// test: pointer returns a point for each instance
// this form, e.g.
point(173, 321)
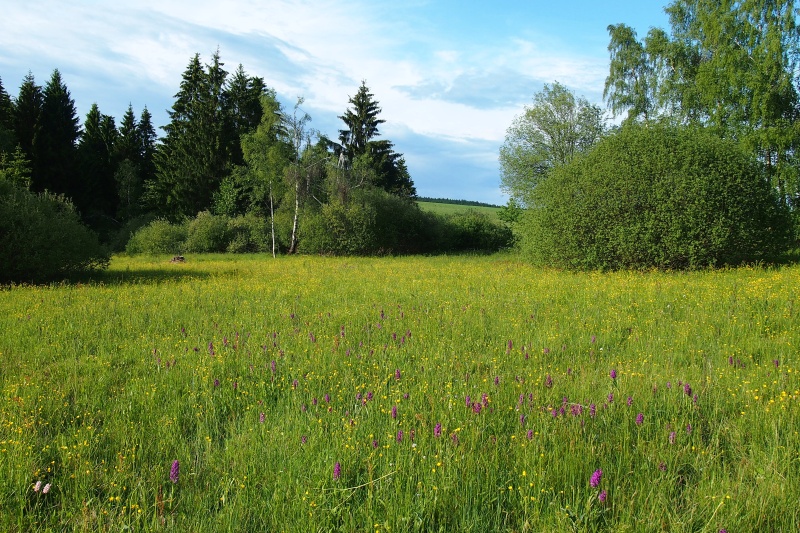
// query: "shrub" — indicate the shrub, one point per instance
point(248, 234)
point(42, 238)
point(206, 233)
point(158, 237)
point(475, 231)
point(656, 196)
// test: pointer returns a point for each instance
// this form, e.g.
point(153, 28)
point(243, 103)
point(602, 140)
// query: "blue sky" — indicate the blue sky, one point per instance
point(450, 76)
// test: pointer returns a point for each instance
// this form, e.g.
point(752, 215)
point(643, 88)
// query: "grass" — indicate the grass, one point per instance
point(449, 209)
point(454, 393)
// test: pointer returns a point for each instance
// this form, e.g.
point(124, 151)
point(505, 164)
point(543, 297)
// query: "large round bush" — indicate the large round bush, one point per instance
point(656, 196)
point(42, 238)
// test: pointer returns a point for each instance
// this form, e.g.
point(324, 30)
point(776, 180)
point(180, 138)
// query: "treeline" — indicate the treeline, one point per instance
point(230, 152)
point(455, 202)
point(704, 170)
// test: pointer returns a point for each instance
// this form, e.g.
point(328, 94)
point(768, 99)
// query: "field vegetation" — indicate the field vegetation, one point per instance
point(242, 393)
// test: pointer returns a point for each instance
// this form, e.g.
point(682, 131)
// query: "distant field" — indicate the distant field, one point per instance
point(448, 209)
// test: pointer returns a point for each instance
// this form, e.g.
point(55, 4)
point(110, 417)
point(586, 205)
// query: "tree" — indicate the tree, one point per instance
point(97, 196)
point(731, 66)
point(368, 160)
point(54, 145)
point(27, 109)
point(242, 105)
point(267, 154)
point(191, 161)
point(8, 141)
point(550, 133)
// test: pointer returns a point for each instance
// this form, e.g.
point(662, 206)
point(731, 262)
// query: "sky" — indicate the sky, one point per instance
point(449, 76)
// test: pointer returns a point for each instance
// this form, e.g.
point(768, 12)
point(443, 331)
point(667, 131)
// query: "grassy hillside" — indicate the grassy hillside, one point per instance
point(446, 209)
point(400, 394)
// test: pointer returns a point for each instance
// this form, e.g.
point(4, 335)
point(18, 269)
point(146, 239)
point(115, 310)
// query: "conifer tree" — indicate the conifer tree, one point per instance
point(27, 109)
point(192, 161)
point(96, 196)
point(8, 140)
point(357, 150)
point(54, 145)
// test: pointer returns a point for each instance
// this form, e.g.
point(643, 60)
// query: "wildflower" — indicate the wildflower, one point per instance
point(399, 435)
point(630, 401)
point(776, 363)
point(509, 347)
point(46, 488)
point(211, 348)
point(468, 401)
point(397, 374)
point(594, 339)
point(687, 389)
point(337, 471)
point(261, 417)
point(374, 443)
point(314, 400)
point(327, 398)
point(485, 399)
point(662, 466)
point(312, 337)
point(216, 383)
point(672, 437)
point(610, 397)
point(669, 384)
point(175, 471)
point(639, 419)
point(592, 410)
point(497, 380)
point(394, 411)
point(521, 420)
point(303, 439)
point(437, 430)
point(476, 408)
point(545, 350)
point(596, 477)
point(273, 365)
point(369, 396)
point(602, 496)
point(295, 383)
point(454, 437)
point(613, 373)
point(689, 429)
point(37, 486)
point(530, 434)
point(548, 381)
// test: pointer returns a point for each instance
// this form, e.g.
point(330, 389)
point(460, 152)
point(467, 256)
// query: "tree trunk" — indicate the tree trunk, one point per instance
point(293, 243)
point(272, 219)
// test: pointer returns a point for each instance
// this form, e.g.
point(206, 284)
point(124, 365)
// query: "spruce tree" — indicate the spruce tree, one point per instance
point(96, 195)
point(54, 145)
point(8, 140)
point(242, 109)
point(27, 109)
point(358, 149)
point(192, 161)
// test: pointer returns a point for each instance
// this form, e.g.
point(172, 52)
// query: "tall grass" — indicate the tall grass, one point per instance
point(455, 394)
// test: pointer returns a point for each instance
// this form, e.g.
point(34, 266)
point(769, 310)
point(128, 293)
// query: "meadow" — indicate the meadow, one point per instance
point(400, 394)
point(451, 209)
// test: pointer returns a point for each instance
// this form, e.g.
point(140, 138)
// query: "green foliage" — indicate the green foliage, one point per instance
point(551, 132)
point(656, 196)
point(475, 231)
point(206, 233)
point(248, 234)
point(43, 239)
point(158, 237)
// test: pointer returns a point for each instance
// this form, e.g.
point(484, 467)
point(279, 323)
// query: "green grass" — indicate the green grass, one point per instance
point(449, 209)
point(106, 383)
